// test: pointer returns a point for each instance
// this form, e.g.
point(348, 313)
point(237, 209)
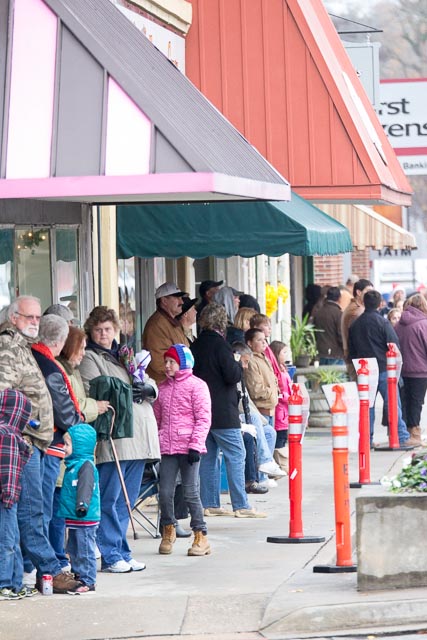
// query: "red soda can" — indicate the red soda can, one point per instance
point(47, 585)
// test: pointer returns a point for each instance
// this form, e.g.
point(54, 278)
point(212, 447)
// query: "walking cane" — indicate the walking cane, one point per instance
point(119, 471)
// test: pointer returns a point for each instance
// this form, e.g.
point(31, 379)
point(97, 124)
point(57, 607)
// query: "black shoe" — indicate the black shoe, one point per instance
point(181, 532)
point(255, 487)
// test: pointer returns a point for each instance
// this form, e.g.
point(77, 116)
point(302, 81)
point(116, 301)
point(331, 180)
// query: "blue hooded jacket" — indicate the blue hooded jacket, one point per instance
point(80, 500)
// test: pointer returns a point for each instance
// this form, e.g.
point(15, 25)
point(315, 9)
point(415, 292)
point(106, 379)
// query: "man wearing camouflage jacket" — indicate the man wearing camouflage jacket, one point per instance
point(19, 370)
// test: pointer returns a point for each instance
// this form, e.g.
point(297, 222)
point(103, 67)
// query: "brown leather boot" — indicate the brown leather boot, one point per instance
point(168, 539)
point(200, 546)
point(411, 442)
point(415, 433)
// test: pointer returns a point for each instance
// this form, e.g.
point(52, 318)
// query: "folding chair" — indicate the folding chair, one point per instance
point(149, 487)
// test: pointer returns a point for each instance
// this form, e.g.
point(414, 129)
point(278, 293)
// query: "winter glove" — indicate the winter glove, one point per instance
point(141, 391)
point(248, 428)
point(193, 456)
point(81, 510)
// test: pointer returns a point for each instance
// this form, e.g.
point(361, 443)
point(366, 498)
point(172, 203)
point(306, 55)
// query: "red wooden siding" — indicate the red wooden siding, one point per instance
point(275, 70)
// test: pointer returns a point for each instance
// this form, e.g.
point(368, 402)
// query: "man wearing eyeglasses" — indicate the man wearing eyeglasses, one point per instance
point(19, 370)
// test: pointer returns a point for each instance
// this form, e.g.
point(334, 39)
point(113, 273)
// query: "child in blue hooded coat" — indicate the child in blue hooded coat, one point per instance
point(80, 503)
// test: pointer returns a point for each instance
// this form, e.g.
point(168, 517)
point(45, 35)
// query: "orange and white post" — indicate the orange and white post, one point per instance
point(393, 435)
point(295, 434)
point(341, 487)
point(364, 423)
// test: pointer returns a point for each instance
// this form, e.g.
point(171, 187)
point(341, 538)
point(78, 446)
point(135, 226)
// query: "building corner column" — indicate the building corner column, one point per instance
point(108, 277)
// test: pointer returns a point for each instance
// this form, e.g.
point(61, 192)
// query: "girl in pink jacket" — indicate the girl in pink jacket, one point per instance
point(281, 419)
point(183, 413)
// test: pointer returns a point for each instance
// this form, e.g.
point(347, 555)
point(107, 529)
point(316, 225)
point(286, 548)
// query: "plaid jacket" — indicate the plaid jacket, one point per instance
point(15, 411)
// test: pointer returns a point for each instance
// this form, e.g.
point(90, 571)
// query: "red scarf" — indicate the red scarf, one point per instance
point(44, 350)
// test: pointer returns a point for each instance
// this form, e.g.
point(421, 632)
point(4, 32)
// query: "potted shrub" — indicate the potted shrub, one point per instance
point(326, 375)
point(303, 341)
point(320, 415)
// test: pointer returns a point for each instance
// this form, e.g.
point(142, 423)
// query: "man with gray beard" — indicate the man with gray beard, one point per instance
point(19, 370)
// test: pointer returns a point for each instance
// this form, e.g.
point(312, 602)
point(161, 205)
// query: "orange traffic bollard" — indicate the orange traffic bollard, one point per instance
point(341, 487)
point(364, 426)
point(295, 474)
point(392, 391)
point(393, 436)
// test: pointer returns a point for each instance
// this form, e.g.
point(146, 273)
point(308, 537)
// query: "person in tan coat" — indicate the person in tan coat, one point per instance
point(353, 310)
point(260, 379)
point(162, 329)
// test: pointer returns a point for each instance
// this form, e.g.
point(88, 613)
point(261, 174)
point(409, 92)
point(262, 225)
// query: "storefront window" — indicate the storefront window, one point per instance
point(7, 280)
point(127, 302)
point(159, 269)
point(33, 264)
point(67, 274)
point(41, 262)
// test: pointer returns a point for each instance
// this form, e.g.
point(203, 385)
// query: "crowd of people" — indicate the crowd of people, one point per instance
point(82, 415)
point(362, 326)
point(79, 424)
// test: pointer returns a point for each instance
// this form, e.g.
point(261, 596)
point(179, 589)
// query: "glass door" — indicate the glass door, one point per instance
point(66, 270)
point(41, 262)
point(33, 264)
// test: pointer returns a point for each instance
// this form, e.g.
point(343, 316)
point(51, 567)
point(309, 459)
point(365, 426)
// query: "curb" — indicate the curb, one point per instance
point(354, 616)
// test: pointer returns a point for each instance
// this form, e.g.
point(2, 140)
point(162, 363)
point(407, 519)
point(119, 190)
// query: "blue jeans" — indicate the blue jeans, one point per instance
point(57, 530)
point(230, 442)
point(265, 442)
point(11, 563)
point(51, 468)
point(266, 438)
point(281, 438)
point(81, 547)
point(190, 482)
point(112, 530)
point(36, 548)
point(251, 463)
point(331, 361)
point(401, 426)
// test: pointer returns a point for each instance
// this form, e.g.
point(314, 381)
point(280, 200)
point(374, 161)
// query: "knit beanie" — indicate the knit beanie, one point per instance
point(181, 354)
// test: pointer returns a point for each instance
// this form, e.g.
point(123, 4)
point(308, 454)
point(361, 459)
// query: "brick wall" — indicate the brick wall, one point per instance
point(360, 264)
point(328, 270)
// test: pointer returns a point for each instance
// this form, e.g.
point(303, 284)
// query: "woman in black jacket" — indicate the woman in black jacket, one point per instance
point(215, 363)
point(53, 332)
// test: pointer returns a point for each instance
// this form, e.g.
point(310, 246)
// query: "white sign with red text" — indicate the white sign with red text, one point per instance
point(403, 115)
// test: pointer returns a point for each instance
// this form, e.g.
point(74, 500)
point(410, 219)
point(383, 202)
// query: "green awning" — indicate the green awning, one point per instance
point(225, 229)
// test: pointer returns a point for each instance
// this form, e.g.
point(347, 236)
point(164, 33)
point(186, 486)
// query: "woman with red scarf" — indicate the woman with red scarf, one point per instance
point(53, 333)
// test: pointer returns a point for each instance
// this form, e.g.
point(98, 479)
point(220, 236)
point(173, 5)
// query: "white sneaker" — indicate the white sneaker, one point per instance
point(135, 565)
point(121, 566)
point(272, 469)
point(29, 579)
point(66, 568)
point(269, 483)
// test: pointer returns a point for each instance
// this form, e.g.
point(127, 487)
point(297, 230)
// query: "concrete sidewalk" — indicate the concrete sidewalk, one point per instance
point(245, 585)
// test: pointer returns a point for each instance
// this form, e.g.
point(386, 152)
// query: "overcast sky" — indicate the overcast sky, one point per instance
point(334, 6)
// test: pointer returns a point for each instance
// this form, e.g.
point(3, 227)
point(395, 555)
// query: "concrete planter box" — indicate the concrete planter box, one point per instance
point(391, 548)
